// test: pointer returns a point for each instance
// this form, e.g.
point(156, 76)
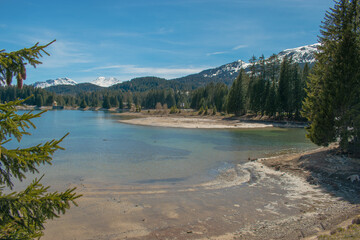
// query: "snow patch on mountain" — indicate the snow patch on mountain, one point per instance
point(54, 82)
point(105, 82)
point(304, 54)
point(230, 68)
point(301, 55)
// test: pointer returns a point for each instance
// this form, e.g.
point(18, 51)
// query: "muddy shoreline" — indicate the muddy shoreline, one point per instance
point(314, 196)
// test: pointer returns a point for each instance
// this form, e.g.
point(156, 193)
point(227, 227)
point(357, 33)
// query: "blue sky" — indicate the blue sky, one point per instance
point(164, 38)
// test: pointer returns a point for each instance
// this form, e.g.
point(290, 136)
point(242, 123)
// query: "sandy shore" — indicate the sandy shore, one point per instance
point(192, 120)
point(286, 197)
point(187, 122)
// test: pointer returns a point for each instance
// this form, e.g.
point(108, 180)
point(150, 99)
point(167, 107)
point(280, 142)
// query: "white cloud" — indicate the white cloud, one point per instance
point(65, 53)
point(224, 52)
point(215, 53)
point(148, 71)
point(239, 47)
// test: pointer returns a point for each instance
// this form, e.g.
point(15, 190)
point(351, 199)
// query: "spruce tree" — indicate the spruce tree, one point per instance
point(23, 213)
point(121, 103)
point(284, 88)
point(106, 102)
point(332, 102)
point(83, 103)
point(296, 91)
point(39, 100)
point(304, 80)
point(270, 107)
point(235, 103)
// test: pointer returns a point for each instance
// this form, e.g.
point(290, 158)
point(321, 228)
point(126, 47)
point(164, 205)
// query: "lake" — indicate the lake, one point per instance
point(151, 183)
point(102, 151)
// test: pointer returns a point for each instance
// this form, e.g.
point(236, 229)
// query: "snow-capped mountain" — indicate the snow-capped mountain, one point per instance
point(300, 55)
point(225, 73)
point(230, 68)
point(305, 54)
point(52, 82)
point(105, 82)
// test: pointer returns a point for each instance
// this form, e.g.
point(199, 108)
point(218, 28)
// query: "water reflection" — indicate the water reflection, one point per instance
point(101, 150)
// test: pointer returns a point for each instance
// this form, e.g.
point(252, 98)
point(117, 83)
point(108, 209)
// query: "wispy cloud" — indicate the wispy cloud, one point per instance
point(216, 53)
point(239, 47)
point(224, 52)
point(66, 53)
point(147, 71)
point(63, 52)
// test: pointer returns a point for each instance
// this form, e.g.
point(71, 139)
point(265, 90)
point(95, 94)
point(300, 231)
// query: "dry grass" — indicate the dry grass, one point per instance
point(351, 232)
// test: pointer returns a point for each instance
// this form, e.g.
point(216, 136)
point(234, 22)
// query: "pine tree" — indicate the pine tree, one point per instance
point(270, 107)
point(284, 86)
point(170, 99)
point(83, 103)
point(129, 102)
point(114, 101)
point(235, 102)
point(23, 213)
point(39, 100)
point(106, 102)
point(296, 91)
point(121, 103)
point(332, 102)
point(304, 80)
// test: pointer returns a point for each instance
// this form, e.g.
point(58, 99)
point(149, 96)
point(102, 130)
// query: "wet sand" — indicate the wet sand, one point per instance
point(284, 197)
point(192, 122)
point(191, 119)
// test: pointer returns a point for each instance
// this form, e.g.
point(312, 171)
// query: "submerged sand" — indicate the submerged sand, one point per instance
point(190, 119)
point(187, 122)
point(285, 197)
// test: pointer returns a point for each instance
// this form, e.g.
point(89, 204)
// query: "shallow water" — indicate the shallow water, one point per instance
point(102, 151)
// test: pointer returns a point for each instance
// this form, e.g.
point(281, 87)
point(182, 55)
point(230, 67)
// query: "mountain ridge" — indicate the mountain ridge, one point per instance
point(225, 73)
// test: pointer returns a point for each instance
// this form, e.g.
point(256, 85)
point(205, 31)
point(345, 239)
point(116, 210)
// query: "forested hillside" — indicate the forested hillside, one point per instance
point(266, 87)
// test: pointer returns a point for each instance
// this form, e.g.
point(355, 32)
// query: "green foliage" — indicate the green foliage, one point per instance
point(214, 110)
point(83, 104)
point(173, 110)
point(210, 95)
point(23, 213)
point(13, 64)
point(129, 102)
point(235, 103)
point(284, 86)
point(270, 104)
point(201, 111)
point(106, 102)
point(333, 90)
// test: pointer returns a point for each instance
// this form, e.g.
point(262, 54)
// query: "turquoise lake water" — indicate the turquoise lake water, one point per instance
point(100, 150)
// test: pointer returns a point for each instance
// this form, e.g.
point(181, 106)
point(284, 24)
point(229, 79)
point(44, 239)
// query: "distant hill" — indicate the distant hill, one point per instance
point(74, 89)
point(145, 83)
point(225, 73)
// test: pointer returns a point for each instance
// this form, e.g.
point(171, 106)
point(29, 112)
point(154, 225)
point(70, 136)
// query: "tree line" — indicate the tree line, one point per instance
point(271, 88)
point(106, 98)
